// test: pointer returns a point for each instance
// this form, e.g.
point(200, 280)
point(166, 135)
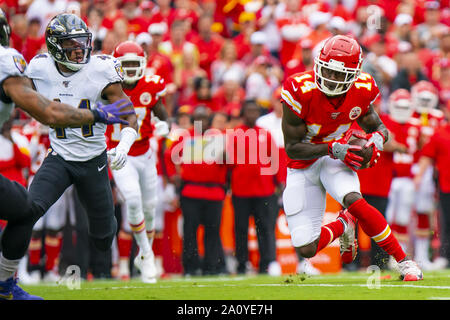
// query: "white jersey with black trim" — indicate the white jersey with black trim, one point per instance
point(12, 64)
point(82, 89)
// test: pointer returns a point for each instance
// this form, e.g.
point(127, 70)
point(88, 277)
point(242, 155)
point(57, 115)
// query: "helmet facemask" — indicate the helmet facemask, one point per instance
point(401, 110)
point(425, 101)
point(72, 51)
point(333, 78)
point(133, 67)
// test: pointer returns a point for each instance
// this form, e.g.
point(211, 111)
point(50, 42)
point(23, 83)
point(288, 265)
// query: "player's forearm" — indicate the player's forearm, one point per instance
point(51, 113)
point(305, 151)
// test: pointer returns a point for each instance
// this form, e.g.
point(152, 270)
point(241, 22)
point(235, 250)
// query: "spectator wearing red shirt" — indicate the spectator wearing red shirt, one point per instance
point(184, 77)
point(208, 43)
point(18, 25)
point(34, 43)
point(202, 95)
point(247, 25)
point(437, 152)
point(258, 41)
point(163, 13)
point(293, 28)
point(230, 94)
point(110, 10)
point(202, 175)
point(253, 188)
point(226, 62)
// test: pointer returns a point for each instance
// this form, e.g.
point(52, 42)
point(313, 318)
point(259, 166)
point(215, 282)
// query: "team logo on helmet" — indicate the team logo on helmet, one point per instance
point(20, 63)
point(354, 113)
point(145, 98)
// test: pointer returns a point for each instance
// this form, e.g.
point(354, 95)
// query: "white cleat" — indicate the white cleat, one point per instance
point(409, 271)
point(146, 265)
point(51, 277)
point(305, 267)
point(347, 241)
point(274, 269)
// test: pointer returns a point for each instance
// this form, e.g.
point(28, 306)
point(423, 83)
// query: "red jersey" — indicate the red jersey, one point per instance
point(376, 181)
point(408, 135)
point(324, 121)
point(438, 149)
point(144, 97)
point(430, 121)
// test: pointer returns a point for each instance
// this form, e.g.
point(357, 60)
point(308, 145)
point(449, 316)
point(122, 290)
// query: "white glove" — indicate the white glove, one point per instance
point(118, 158)
point(161, 129)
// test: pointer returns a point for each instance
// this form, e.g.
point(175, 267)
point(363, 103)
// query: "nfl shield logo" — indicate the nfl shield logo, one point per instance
point(20, 63)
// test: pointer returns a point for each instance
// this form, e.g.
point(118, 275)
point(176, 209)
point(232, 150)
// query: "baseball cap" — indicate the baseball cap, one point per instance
point(246, 16)
point(432, 5)
point(144, 37)
point(402, 19)
point(157, 28)
point(258, 37)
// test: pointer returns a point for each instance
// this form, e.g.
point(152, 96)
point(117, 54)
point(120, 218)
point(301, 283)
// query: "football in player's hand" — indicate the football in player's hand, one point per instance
point(365, 153)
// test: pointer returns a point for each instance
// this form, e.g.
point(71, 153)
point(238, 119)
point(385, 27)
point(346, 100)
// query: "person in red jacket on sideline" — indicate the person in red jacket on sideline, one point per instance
point(200, 173)
point(253, 155)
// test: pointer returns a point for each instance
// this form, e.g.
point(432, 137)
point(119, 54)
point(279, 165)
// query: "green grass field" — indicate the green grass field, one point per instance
point(343, 286)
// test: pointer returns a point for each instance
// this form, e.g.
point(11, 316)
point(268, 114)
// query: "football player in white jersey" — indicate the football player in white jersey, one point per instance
point(17, 207)
point(77, 156)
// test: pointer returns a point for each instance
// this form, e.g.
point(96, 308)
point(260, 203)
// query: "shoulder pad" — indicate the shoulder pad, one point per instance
point(106, 68)
point(38, 66)
point(436, 113)
point(12, 63)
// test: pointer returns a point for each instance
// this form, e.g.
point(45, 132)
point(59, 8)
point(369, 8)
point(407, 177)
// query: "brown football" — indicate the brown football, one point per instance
point(365, 153)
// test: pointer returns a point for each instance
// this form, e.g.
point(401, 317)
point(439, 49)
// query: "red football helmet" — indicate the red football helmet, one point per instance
point(133, 59)
point(400, 106)
point(337, 65)
point(424, 96)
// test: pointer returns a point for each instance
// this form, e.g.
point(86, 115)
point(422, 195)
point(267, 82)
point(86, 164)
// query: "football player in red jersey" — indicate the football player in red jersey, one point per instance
point(405, 130)
point(137, 179)
point(319, 107)
point(425, 99)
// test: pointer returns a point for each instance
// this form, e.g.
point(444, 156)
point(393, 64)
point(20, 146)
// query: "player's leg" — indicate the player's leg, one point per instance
point(127, 182)
point(425, 206)
point(304, 200)
point(375, 226)
point(49, 183)
point(124, 243)
point(55, 220)
point(35, 249)
point(402, 200)
point(148, 183)
point(93, 187)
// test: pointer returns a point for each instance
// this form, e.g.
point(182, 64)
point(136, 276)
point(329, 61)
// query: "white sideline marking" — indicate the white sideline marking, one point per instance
point(276, 285)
